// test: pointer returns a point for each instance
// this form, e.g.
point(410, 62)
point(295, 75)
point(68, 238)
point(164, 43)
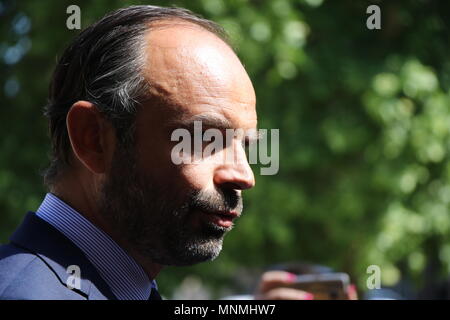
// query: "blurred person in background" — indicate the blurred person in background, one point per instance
point(279, 282)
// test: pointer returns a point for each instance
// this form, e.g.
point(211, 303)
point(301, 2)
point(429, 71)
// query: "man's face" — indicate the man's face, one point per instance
point(178, 214)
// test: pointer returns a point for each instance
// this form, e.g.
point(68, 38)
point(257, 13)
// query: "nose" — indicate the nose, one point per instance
point(236, 173)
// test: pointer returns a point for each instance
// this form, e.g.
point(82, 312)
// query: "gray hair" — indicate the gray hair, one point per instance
point(103, 65)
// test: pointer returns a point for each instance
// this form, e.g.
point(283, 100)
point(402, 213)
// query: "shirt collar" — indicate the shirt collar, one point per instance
point(125, 277)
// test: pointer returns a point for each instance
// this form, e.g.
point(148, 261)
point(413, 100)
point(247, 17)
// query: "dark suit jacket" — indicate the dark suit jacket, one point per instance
point(34, 266)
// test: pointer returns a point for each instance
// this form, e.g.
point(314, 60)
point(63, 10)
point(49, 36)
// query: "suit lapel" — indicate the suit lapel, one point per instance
point(58, 252)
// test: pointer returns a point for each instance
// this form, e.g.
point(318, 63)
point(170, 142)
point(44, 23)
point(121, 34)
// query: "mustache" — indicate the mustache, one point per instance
point(220, 201)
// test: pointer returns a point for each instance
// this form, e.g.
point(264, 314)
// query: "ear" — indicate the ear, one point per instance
point(90, 136)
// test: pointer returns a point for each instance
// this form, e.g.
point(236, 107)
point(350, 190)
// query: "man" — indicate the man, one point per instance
point(118, 209)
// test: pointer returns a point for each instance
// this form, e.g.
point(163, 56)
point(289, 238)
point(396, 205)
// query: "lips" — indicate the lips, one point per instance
point(221, 218)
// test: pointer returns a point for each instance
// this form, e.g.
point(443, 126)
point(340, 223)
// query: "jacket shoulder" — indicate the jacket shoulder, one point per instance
point(25, 276)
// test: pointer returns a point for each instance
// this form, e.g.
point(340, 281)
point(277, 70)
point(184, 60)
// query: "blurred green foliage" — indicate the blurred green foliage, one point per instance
point(364, 129)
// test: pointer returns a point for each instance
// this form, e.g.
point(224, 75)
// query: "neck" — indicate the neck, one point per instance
point(72, 191)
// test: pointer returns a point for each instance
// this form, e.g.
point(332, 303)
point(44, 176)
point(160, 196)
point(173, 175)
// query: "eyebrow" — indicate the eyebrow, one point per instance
point(213, 121)
point(207, 120)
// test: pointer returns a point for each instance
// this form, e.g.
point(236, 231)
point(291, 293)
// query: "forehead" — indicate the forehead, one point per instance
point(198, 73)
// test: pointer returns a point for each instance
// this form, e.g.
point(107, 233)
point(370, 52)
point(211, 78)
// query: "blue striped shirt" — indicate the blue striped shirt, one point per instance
point(125, 277)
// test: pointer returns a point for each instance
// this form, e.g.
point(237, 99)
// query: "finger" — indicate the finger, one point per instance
point(285, 294)
point(273, 279)
point(352, 293)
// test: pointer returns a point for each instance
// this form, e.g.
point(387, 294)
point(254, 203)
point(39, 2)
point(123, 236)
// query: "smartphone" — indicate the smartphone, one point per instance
point(324, 286)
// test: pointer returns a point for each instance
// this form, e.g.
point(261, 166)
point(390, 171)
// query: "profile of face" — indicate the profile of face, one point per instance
point(178, 214)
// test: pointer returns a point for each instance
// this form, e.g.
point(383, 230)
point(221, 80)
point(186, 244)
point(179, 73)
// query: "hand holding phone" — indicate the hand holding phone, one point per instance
point(324, 286)
point(282, 285)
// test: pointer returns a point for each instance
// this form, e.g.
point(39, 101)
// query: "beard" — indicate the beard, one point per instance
point(156, 220)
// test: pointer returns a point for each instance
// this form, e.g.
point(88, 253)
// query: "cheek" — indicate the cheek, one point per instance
point(153, 154)
point(198, 176)
point(153, 145)
point(154, 159)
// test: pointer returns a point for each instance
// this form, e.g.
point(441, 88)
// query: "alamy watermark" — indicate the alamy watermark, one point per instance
point(74, 280)
point(374, 20)
point(374, 280)
point(73, 22)
point(227, 146)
